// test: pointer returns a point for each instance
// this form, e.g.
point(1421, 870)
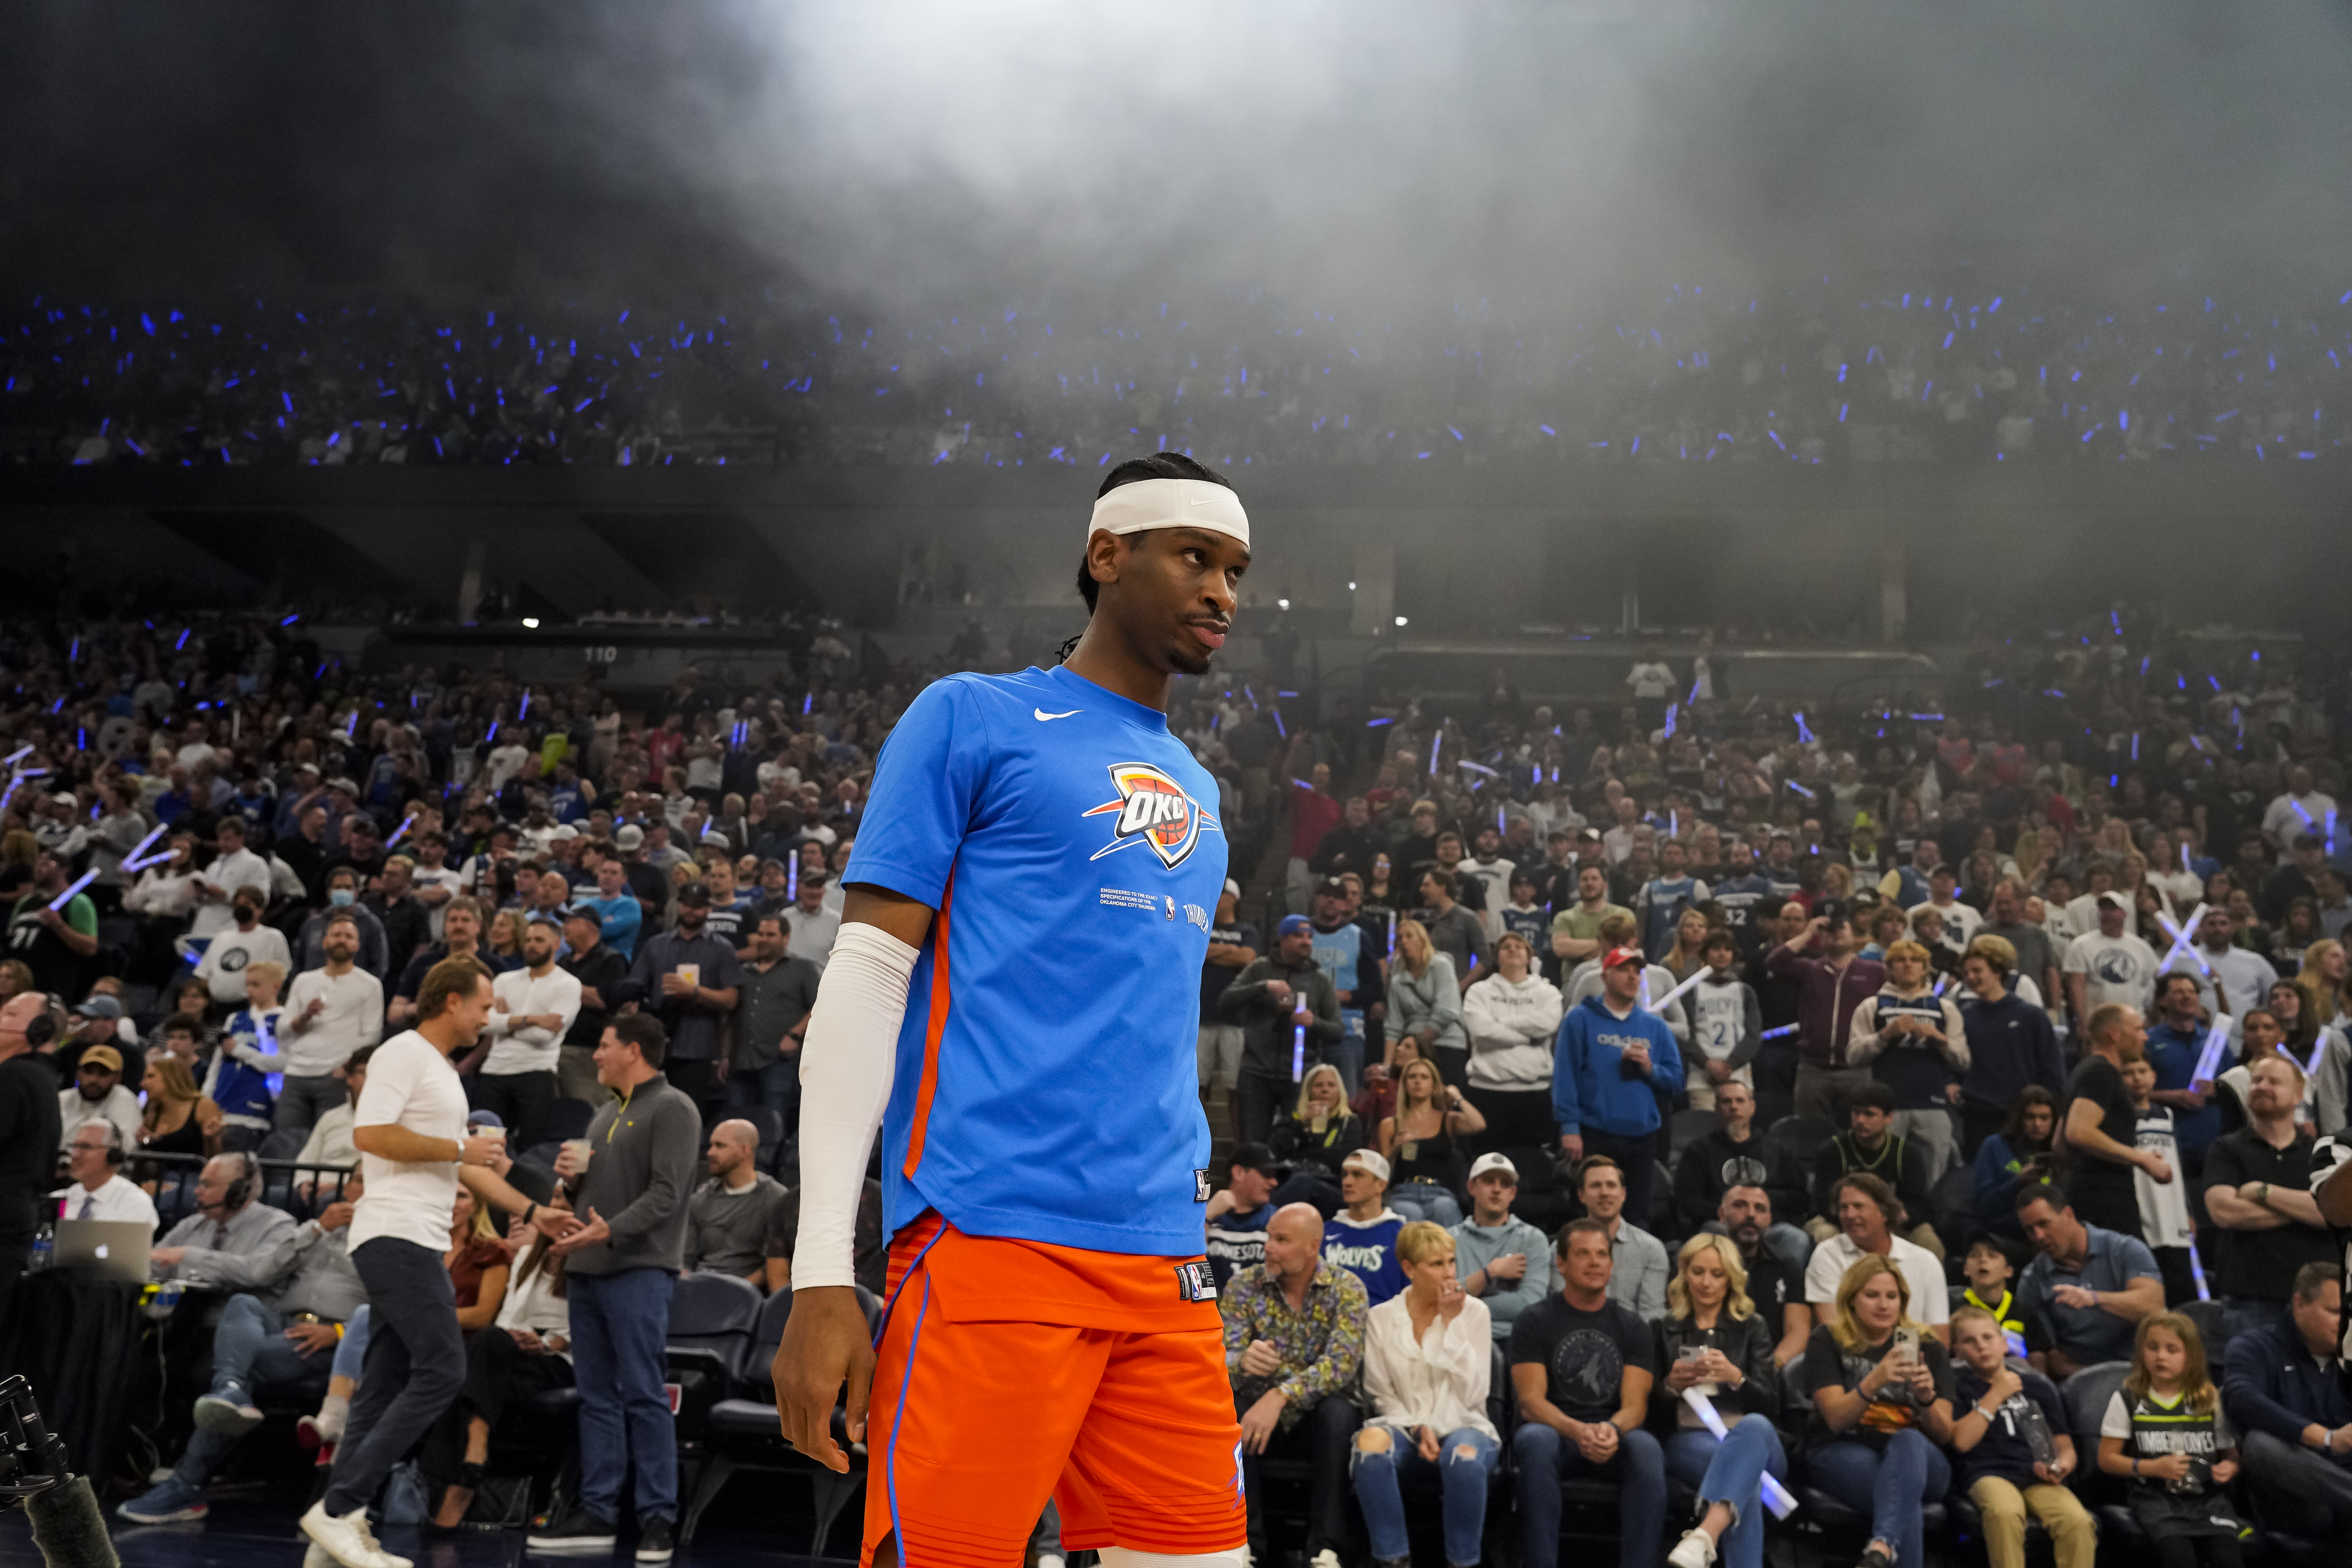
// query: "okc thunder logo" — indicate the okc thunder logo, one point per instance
point(1152, 809)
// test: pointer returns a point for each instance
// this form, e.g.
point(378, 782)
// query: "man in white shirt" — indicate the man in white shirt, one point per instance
point(413, 1150)
point(812, 926)
point(234, 866)
point(531, 1009)
point(330, 1144)
point(1958, 918)
point(1865, 1210)
point(2245, 978)
point(94, 1154)
point(2109, 965)
point(435, 881)
point(98, 1095)
point(248, 943)
point(2301, 810)
point(330, 1012)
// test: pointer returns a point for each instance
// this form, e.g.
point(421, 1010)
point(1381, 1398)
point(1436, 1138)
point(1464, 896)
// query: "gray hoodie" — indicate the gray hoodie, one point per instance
point(1476, 1245)
point(649, 1148)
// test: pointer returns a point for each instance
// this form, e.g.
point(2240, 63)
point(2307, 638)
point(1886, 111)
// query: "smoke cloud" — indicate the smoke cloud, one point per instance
point(1355, 156)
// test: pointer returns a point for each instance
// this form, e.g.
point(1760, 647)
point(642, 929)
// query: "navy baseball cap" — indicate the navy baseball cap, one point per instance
point(1293, 923)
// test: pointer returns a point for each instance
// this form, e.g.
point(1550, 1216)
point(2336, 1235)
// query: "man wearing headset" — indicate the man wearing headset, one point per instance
point(94, 1158)
point(234, 1241)
point(29, 1131)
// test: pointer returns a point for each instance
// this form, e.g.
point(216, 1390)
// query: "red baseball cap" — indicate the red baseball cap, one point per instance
point(1622, 955)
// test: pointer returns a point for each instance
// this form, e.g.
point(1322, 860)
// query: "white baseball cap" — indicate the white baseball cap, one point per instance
point(1494, 1162)
point(1371, 1159)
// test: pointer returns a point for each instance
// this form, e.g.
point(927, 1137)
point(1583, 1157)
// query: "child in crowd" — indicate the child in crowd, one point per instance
point(2165, 1431)
point(2010, 1451)
point(1991, 1272)
point(2163, 1206)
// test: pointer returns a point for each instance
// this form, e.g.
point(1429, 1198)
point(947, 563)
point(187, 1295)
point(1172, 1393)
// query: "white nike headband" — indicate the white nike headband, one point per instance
point(1170, 503)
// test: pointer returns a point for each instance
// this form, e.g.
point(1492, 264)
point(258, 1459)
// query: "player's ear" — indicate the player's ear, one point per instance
point(1105, 554)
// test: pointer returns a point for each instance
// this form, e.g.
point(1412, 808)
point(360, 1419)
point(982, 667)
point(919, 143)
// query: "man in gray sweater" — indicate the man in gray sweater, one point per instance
point(1272, 1000)
point(631, 1194)
point(1500, 1259)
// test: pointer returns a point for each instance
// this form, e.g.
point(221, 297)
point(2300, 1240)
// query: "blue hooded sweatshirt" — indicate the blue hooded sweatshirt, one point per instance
point(1588, 1090)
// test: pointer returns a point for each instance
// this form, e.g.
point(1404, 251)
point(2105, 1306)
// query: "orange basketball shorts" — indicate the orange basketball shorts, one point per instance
point(1012, 1372)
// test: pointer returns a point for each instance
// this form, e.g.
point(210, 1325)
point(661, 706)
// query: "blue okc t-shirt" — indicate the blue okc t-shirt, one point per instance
point(1048, 1083)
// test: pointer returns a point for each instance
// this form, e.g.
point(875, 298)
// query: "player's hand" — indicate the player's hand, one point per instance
point(1449, 1301)
point(2168, 1467)
point(1261, 1359)
point(1425, 1440)
point(826, 1344)
point(2003, 1384)
point(1510, 1265)
point(309, 1339)
point(2157, 1171)
point(1279, 991)
point(2075, 1296)
point(2225, 1471)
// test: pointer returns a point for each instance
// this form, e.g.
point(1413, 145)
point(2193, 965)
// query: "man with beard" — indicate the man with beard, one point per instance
point(691, 981)
point(1778, 1291)
point(1735, 1154)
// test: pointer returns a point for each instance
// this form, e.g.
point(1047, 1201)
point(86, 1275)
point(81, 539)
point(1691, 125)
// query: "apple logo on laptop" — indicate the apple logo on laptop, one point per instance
point(102, 1249)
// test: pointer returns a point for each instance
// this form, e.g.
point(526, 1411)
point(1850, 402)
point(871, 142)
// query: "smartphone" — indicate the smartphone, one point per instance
point(1692, 1352)
point(1906, 1345)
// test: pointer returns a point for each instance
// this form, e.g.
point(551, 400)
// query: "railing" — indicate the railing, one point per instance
point(302, 1188)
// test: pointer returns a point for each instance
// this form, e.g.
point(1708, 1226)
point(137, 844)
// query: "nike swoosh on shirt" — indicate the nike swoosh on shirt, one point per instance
point(1205, 500)
point(1044, 717)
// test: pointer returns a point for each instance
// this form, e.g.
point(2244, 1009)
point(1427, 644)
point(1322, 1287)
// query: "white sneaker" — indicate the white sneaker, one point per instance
point(318, 1556)
point(1695, 1550)
point(1326, 1558)
point(1051, 1560)
point(348, 1539)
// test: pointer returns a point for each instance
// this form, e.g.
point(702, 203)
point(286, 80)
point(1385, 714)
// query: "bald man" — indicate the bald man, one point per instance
point(726, 1218)
point(29, 1133)
point(1294, 1345)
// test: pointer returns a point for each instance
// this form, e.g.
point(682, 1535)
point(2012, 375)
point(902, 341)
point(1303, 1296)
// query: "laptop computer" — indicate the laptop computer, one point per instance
point(112, 1246)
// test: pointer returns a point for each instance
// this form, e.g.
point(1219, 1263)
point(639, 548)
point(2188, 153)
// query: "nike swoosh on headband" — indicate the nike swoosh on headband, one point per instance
point(1044, 717)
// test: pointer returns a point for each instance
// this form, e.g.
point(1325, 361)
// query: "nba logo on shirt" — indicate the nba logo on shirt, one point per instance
point(1195, 1282)
point(1153, 809)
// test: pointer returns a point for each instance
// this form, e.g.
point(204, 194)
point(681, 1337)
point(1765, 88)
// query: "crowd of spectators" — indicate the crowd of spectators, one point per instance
point(1812, 373)
point(1937, 1057)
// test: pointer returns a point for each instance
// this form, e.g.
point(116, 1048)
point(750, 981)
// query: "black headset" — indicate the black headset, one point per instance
point(240, 1191)
point(115, 1152)
point(42, 1028)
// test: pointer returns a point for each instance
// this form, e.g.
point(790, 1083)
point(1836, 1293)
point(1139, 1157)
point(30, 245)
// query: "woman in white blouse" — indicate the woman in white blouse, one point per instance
point(1428, 1361)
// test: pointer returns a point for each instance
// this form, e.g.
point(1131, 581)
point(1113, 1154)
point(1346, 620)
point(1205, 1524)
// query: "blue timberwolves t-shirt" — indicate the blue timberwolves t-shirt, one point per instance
point(1047, 1082)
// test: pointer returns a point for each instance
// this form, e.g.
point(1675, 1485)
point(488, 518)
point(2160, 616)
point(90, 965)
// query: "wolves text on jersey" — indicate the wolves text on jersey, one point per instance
point(1155, 810)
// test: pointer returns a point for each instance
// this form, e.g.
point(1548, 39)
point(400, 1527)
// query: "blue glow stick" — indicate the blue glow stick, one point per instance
point(1298, 1053)
point(2311, 1067)
point(18, 756)
point(1392, 933)
point(1776, 1496)
point(1668, 1000)
point(1801, 790)
point(2197, 1271)
point(398, 832)
point(2181, 937)
point(140, 848)
point(1670, 720)
point(792, 876)
point(1804, 733)
point(1776, 1033)
point(2209, 1060)
point(1434, 741)
point(524, 711)
point(75, 886)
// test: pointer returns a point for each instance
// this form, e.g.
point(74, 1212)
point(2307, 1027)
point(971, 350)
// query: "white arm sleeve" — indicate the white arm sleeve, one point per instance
point(847, 1062)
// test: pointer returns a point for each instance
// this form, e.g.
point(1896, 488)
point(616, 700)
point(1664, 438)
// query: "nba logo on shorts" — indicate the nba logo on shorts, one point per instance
point(1195, 1282)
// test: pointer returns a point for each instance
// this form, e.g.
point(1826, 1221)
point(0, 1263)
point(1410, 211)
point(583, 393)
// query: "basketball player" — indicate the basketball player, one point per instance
point(1014, 1000)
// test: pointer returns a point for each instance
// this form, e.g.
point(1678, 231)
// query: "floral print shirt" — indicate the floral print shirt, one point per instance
point(1321, 1341)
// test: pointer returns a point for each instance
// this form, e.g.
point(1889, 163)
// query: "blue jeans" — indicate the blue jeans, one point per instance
point(776, 1086)
point(249, 1347)
point(1889, 1487)
point(352, 1354)
point(619, 1322)
point(1426, 1200)
point(1544, 1458)
point(1347, 1056)
point(1731, 1472)
point(1462, 1476)
point(415, 1366)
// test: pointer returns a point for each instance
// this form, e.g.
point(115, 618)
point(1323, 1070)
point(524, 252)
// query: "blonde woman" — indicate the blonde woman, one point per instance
point(1420, 1144)
point(1428, 1359)
point(178, 1119)
point(1713, 1340)
point(1682, 960)
point(1426, 1001)
point(1882, 1391)
point(2322, 980)
point(1313, 1137)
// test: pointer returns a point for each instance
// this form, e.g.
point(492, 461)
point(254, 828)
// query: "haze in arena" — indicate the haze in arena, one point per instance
point(1285, 785)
